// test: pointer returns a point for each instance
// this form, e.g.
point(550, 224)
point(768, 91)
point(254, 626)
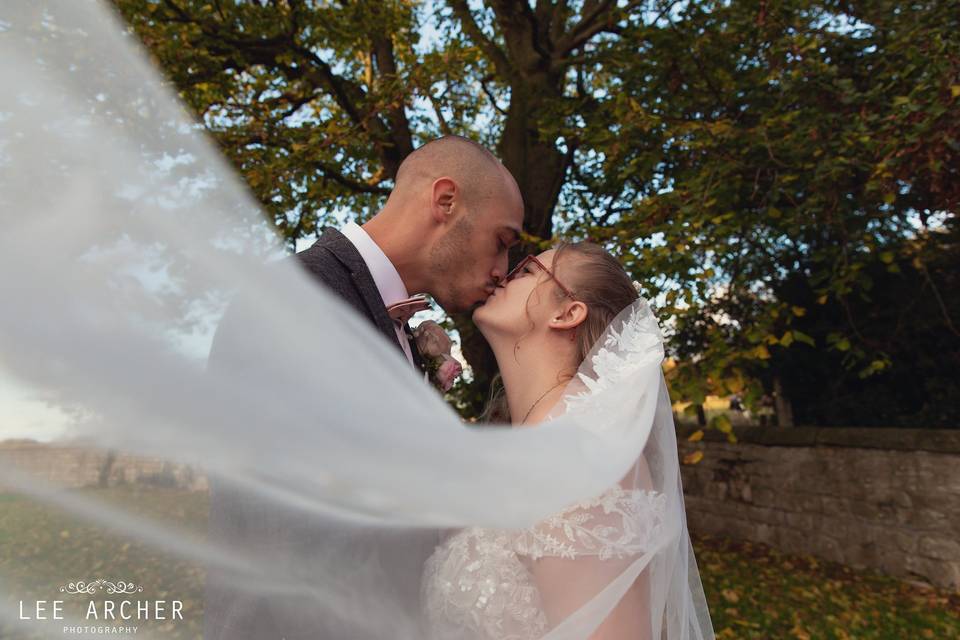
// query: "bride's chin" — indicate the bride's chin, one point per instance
point(479, 314)
point(482, 318)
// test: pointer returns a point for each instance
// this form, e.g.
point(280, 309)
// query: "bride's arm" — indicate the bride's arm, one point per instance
point(566, 585)
point(582, 551)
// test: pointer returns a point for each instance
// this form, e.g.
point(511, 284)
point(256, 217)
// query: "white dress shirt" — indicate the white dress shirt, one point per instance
point(385, 275)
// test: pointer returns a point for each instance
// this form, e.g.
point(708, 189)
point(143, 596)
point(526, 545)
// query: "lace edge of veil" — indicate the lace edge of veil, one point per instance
point(631, 341)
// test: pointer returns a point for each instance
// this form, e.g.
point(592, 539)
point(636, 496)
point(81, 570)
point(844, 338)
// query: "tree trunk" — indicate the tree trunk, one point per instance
point(536, 164)
point(701, 416)
point(539, 168)
point(782, 404)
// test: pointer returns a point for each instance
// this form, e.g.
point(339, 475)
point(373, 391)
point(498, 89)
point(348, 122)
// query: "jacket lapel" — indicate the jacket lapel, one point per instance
point(414, 350)
point(349, 257)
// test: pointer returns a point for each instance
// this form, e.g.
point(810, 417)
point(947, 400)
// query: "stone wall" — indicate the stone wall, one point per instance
point(74, 466)
point(887, 499)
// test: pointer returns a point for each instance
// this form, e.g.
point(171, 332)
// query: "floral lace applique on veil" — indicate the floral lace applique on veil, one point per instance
point(617, 524)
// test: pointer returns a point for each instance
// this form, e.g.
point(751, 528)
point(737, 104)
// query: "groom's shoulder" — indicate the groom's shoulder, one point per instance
point(321, 258)
point(322, 252)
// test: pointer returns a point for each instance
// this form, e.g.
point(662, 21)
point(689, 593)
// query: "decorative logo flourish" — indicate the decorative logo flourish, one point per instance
point(100, 584)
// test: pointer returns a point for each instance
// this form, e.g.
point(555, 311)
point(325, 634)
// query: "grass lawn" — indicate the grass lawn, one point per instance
point(753, 591)
point(756, 592)
point(43, 549)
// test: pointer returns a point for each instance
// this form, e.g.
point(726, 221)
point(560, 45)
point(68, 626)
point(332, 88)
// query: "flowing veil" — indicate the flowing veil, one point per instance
point(125, 238)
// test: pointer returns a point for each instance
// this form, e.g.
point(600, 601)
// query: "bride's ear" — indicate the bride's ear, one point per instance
point(569, 315)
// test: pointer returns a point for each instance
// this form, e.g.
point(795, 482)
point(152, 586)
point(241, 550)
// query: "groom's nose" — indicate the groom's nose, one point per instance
point(492, 285)
point(497, 275)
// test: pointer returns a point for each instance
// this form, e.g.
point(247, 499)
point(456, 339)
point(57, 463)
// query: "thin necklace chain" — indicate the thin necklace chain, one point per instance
point(539, 399)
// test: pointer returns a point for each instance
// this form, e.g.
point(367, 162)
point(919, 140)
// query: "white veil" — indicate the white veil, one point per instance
point(124, 237)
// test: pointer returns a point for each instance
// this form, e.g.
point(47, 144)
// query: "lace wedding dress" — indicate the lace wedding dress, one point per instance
point(478, 583)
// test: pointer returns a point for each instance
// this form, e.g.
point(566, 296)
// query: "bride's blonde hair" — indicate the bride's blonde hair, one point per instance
point(599, 281)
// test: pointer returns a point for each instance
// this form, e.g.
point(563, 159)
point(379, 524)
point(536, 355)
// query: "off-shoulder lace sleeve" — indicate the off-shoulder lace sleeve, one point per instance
point(617, 524)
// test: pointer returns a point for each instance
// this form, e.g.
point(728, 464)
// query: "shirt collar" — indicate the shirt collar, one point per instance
point(385, 275)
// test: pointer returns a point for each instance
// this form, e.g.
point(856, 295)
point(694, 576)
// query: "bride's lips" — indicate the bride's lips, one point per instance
point(484, 300)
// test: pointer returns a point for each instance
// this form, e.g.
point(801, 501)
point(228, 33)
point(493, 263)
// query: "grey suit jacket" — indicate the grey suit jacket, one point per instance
point(290, 541)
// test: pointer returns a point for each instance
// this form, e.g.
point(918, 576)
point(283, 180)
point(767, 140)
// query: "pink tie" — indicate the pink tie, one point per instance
point(402, 311)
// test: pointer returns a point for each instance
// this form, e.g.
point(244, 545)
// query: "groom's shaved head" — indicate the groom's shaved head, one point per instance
point(477, 172)
point(450, 220)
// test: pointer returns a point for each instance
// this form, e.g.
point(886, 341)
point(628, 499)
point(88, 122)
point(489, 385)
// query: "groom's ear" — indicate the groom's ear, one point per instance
point(445, 194)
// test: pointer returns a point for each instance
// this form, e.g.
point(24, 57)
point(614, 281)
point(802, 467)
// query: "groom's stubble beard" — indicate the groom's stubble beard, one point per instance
point(449, 259)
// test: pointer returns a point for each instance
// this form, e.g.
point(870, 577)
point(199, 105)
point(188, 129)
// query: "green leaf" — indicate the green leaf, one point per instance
point(800, 336)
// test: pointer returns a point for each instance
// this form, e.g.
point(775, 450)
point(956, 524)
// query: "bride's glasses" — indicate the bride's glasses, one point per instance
point(524, 264)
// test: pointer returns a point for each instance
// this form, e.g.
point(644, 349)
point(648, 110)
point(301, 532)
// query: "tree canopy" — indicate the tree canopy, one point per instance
point(755, 165)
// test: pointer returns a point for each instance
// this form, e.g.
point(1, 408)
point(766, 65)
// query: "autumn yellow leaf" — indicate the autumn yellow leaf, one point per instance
point(734, 383)
point(693, 458)
point(696, 436)
point(722, 424)
point(798, 632)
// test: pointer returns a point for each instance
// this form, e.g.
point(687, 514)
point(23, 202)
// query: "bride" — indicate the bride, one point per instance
point(517, 584)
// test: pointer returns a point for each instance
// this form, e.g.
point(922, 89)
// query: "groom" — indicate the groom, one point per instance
point(445, 230)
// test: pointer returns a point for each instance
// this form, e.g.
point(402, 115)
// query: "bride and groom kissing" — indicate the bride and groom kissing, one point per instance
point(446, 230)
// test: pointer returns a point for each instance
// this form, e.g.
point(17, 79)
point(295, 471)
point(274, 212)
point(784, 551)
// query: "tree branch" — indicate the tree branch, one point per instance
point(591, 22)
point(562, 173)
point(528, 47)
point(493, 99)
point(438, 111)
point(354, 185)
point(539, 34)
point(400, 143)
point(496, 55)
